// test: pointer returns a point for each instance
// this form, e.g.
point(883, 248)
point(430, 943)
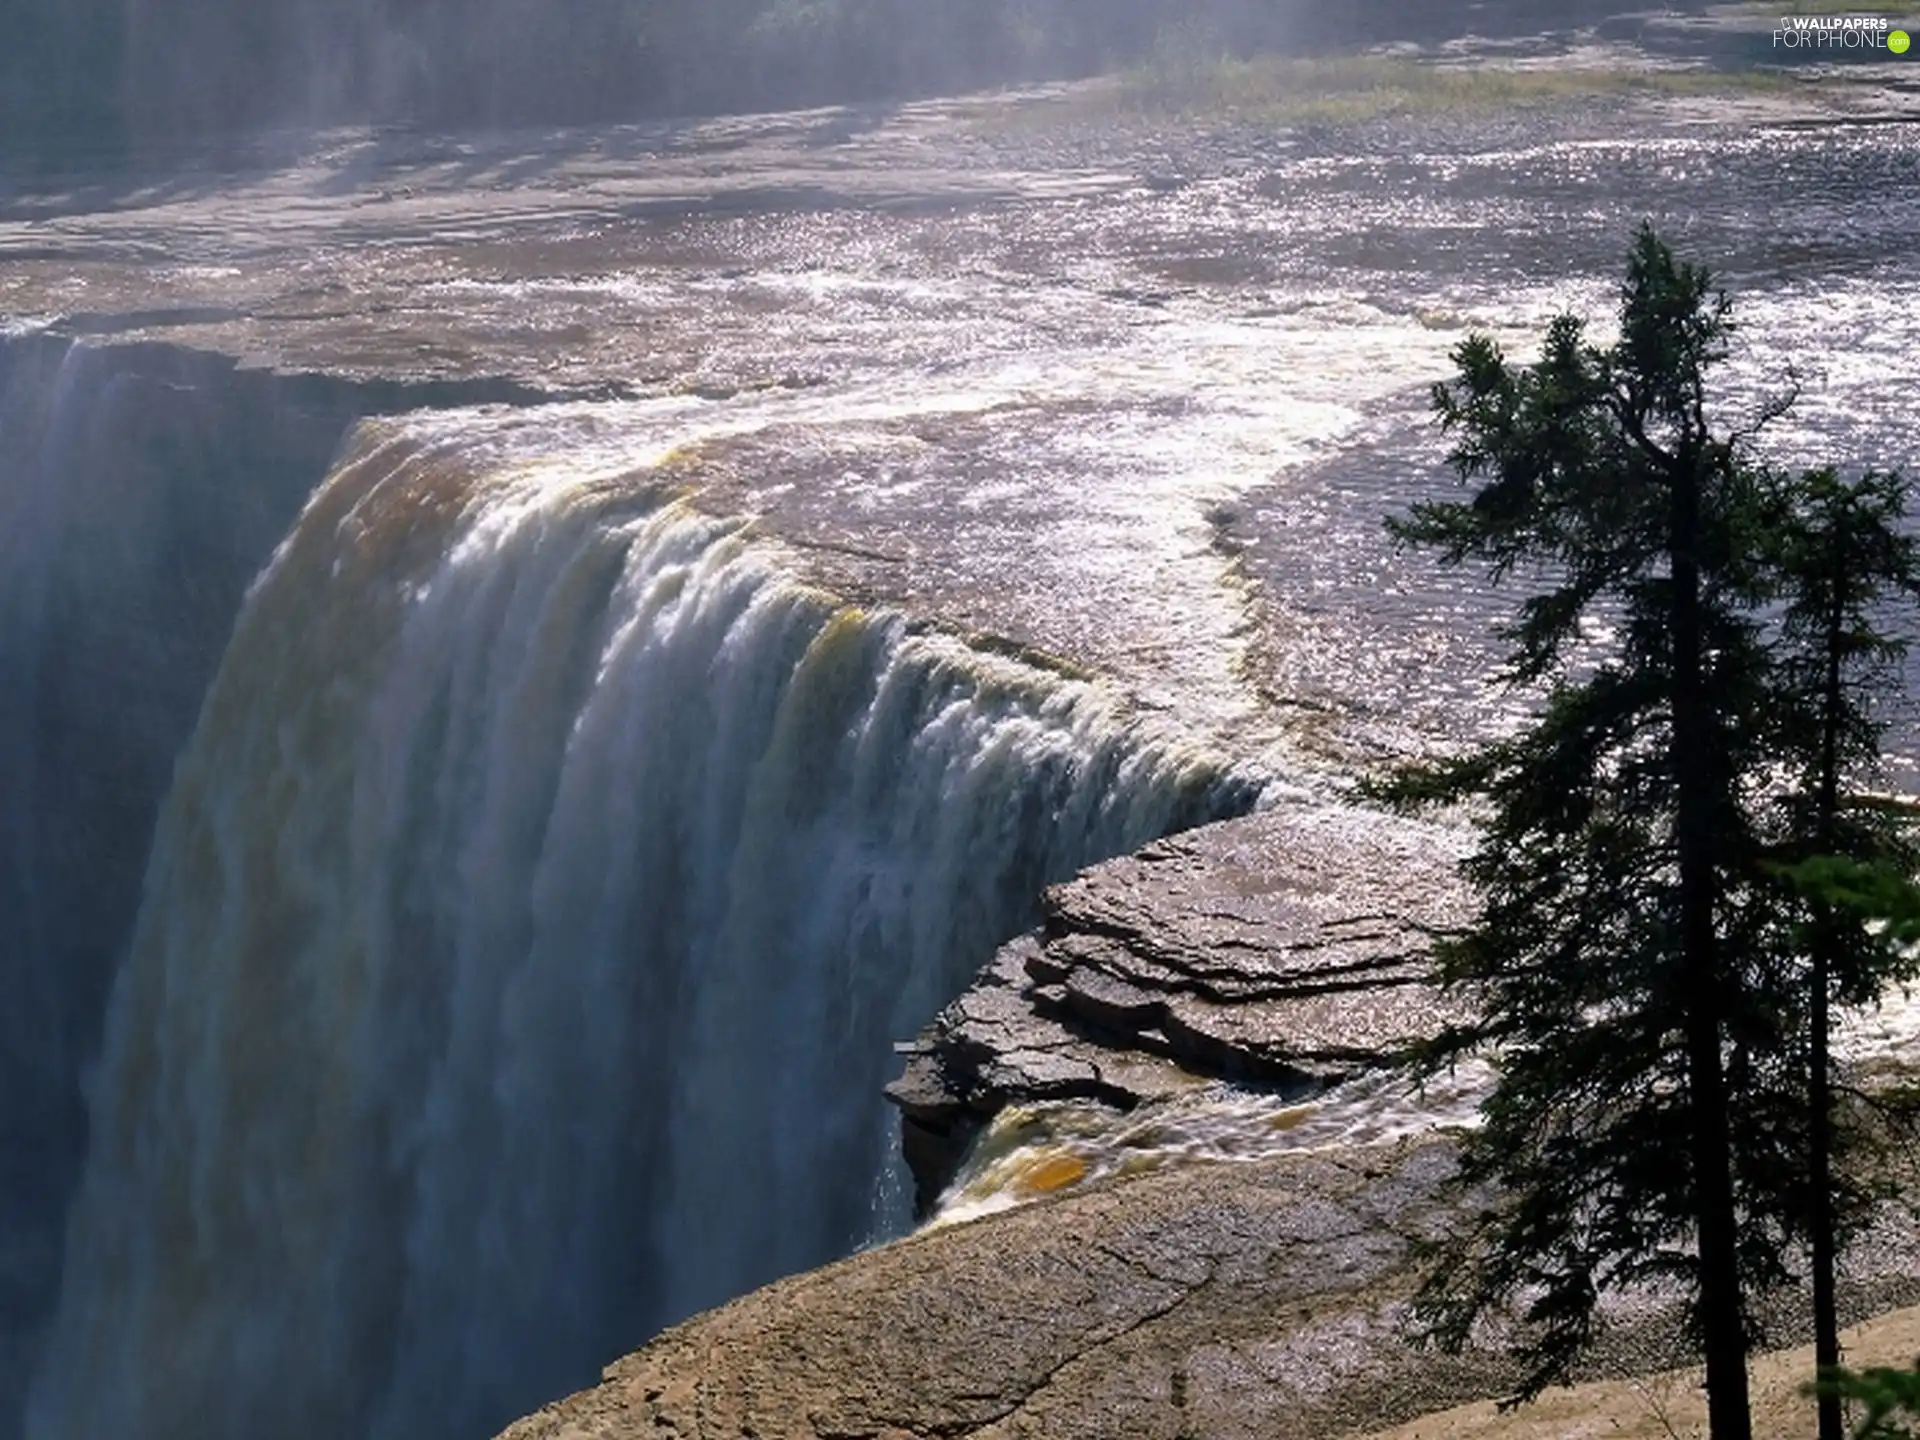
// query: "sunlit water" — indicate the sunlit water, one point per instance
point(1137, 402)
point(1032, 1151)
point(1390, 259)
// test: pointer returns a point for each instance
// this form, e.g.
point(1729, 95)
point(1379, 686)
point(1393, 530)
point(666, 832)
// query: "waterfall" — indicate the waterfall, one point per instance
point(141, 488)
point(522, 944)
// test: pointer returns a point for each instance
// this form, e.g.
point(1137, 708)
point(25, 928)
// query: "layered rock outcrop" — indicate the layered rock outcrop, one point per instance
point(1260, 1298)
point(1284, 950)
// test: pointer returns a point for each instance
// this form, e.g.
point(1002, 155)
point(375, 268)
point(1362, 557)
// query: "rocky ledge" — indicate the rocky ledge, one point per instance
point(1253, 1300)
point(1262, 1299)
point(1283, 950)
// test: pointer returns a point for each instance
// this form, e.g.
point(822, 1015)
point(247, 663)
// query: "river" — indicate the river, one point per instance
point(472, 864)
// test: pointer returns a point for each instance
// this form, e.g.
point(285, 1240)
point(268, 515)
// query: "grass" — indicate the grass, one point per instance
point(1660, 1407)
point(1352, 88)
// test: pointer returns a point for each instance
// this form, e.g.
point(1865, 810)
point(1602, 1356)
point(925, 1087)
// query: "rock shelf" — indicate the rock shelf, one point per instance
point(1284, 950)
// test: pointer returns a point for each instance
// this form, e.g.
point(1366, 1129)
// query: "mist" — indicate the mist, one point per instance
point(84, 78)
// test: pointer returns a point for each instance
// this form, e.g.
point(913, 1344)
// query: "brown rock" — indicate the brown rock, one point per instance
point(1252, 1300)
point(1281, 950)
point(1227, 1301)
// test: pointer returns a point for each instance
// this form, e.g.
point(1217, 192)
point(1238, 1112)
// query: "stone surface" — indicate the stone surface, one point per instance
point(1658, 1407)
point(1226, 1301)
point(1281, 950)
point(1174, 1305)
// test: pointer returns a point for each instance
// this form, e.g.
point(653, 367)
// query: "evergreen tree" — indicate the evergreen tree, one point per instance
point(1843, 557)
point(1889, 1401)
point(1650, 1093)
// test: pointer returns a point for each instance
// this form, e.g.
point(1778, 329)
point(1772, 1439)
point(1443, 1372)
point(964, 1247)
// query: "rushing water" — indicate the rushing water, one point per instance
point(1375, 650)
point(554, 860)
point(1032, 1151)
point(522, 943)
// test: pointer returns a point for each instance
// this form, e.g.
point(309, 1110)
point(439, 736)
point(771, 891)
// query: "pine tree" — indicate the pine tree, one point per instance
point(1843, 560)
point(1889, 1401)
point(1649, 1096)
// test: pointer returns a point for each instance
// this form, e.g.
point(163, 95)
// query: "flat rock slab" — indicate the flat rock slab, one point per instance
point(1231, 1301)
point(1285, 950)
point(1255, 1300)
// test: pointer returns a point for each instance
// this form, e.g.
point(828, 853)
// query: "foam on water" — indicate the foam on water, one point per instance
point(523, 942)
point(1032, 1151)
point(401, 1100)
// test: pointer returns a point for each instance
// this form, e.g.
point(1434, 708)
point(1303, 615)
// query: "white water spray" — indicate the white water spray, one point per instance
point(522, 945)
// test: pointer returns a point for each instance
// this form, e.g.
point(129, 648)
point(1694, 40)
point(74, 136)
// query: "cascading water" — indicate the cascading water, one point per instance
point(522, 943)
point(141, 488)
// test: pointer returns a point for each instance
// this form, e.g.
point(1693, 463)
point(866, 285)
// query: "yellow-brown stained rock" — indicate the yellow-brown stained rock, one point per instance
point(1051, 1173)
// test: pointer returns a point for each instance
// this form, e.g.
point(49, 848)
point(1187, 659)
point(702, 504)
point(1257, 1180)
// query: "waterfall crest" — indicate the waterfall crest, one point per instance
point(521, 946)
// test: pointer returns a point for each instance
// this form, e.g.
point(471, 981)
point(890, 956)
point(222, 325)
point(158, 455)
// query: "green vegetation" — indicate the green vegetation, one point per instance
point(1841, 556)
point(1889, 1401)
point(80, 74)
point(152, 71)
point(1671, 854)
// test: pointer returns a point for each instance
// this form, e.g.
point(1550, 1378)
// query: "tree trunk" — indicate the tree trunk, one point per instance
point(1723, 1329)
point(1826, 1317)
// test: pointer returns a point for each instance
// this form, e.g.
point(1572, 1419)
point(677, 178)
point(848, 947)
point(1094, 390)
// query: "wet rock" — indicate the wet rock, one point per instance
point(1256, 1298)
point(1283, 950)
